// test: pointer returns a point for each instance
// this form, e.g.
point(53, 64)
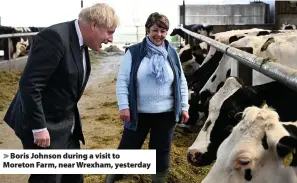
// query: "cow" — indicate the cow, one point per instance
point(225, 109)
point(201, 51)
point(233, 35)
point(192, 57)
point(19, 45)
point(202, 76)
point(226, 38)
point(276, 46)
point(256, 150)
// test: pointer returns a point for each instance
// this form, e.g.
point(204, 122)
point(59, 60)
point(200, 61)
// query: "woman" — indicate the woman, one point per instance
point(152, 95)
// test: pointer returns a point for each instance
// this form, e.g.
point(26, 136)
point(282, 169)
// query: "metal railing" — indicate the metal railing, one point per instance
point(276, 71)
point(7, 55)
point(17, 35)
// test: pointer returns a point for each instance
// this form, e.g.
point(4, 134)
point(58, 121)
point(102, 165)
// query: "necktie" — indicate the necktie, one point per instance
point(82, 49)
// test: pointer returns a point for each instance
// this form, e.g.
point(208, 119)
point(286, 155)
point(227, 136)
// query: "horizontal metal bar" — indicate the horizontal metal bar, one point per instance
point(268, 67)
point(225, 15)
point(17, 35)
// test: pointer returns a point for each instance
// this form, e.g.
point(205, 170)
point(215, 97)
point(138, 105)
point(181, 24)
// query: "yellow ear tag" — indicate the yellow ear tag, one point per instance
point(289, 158)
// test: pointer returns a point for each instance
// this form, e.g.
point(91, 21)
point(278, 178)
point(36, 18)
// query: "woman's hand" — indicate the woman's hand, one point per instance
point(184, 117)
point(125, 115)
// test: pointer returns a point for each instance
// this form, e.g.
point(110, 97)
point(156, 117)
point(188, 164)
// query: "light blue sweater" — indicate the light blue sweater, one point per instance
point(151, 96)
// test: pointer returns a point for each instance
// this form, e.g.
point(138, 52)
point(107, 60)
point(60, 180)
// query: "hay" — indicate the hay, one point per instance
point(8, 87)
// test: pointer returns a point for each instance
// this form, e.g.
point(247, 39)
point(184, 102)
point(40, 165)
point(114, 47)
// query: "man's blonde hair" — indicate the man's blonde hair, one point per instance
point(101, 14)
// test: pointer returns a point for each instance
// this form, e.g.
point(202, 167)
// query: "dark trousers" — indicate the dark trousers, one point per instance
point(53, 178)
point(161, 127)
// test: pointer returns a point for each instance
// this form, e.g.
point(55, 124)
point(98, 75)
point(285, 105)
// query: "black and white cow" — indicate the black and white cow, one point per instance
point(19, 45)
point(255, 150)
point(191, 59)
point(206, 76)
point(275, 45)
point(225, 109)
point(199, 50)
point(213, 55)
point(195, 52)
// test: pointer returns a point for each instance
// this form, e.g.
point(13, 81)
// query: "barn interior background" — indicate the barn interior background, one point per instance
point(229, 15)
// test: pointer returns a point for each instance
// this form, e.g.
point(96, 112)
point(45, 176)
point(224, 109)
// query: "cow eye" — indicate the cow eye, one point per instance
point(244, 161)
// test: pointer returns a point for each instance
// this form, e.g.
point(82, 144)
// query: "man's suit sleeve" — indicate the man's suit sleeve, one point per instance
point(44, 57)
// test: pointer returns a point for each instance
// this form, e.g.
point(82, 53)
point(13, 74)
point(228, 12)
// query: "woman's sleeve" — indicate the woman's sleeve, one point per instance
point(123, 81)
point(184, 89)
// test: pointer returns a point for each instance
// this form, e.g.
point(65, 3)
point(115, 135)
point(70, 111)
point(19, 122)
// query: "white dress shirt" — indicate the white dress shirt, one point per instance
point(81, 42)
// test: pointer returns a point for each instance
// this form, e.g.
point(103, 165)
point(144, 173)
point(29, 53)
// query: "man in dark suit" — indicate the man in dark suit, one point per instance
point(44, 112)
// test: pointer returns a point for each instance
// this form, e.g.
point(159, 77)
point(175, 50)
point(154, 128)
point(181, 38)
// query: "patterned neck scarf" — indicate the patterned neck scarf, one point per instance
point(158, 57)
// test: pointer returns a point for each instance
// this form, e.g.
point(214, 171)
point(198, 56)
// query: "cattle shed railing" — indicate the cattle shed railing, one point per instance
point(17, 35)
point(8, 45)
point(268, 67)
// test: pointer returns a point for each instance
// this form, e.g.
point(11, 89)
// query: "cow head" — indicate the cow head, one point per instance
point(178, 31)
point(195, 115)
point(255, 150)
point(223, 114)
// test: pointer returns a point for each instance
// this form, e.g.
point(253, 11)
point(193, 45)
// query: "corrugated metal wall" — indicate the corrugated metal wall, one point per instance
point(255, 13)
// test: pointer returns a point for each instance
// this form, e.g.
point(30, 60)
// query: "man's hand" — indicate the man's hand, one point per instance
point(125, 115)
point(42, 138)
point(185, 117)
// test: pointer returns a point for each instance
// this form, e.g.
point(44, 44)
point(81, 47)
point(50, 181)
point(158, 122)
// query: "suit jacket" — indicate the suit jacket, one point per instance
point(51, 86)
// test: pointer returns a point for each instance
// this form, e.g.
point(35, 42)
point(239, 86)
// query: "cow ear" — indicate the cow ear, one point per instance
point(286, 149)
point(286, 145)
point(243, 161)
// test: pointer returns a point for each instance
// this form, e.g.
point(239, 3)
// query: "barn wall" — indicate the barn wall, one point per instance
point(256, 13)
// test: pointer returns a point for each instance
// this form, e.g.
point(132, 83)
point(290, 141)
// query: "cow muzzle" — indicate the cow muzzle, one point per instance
point(197, 158)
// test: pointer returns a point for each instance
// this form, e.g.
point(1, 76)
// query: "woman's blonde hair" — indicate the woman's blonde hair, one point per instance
point(101, 14)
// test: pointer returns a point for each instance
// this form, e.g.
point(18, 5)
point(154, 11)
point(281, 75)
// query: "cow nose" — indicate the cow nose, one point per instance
point(194, 157)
